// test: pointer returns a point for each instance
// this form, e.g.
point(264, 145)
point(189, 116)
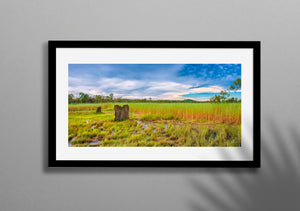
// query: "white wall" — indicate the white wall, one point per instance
point(27, 184)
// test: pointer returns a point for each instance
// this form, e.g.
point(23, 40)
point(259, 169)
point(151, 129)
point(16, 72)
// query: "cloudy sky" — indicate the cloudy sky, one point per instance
point(158, 81)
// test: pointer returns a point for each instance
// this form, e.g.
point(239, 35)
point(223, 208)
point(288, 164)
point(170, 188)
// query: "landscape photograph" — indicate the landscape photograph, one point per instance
point(154, 105)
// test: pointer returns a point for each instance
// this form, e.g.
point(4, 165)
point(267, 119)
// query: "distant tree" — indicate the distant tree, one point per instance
point(111, 97)
point(224, 95)
point(70, 98)
point(83, 97)
point(119, 99)
point(237, 84)
point(215, 99)
point(91, 99)
point(98, 98)
point(232, 100)
point(106, 99)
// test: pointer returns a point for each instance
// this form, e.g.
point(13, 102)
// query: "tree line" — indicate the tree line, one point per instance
point(85, 98)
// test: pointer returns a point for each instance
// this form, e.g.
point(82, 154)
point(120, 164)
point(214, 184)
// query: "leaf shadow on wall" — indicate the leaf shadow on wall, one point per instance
point(275, 186)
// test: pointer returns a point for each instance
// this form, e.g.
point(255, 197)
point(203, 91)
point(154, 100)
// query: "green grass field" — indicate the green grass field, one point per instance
point(156, 125)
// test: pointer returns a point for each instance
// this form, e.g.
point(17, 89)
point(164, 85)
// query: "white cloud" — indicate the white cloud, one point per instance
point(213, 89)
point(119, 84)
point(167, 86)
point(135, 89)
point(91, 90)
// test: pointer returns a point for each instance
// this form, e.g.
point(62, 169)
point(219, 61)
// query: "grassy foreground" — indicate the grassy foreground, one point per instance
point(156, 125)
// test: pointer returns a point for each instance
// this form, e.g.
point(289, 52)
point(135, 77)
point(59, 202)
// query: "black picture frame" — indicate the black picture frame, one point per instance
point(53, 45)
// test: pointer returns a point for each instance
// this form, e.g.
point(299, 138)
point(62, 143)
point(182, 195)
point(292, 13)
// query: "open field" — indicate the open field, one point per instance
point(156, 125)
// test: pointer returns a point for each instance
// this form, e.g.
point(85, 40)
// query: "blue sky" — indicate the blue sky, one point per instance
point(158, 81)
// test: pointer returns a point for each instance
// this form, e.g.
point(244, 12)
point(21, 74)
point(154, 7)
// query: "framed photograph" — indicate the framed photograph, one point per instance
point(154, 104)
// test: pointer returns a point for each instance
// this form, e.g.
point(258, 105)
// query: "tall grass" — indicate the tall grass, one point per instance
point(222, 112)
point(156, 125)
